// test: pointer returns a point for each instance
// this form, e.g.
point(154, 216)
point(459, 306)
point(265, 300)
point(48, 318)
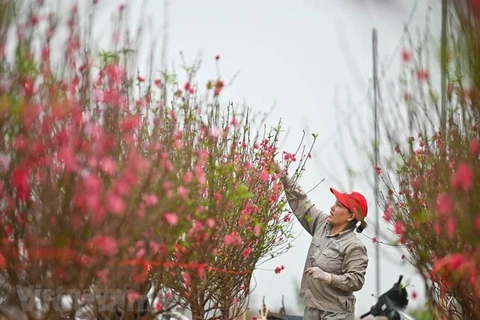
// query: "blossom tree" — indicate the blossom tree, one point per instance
point(117, 189)
point(431, 196)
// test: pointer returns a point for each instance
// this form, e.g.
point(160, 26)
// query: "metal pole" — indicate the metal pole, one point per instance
point(443, 70)
point(375, 150)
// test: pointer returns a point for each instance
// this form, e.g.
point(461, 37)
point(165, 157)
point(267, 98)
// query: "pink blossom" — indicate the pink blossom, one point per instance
point(155, 247)
point(200, 174)
point(422, 75)
point(378, 171)
point(108, 165)
point(210, 223)
point(140, 253)
point(445, 204)
point(264, 176)
point(105, 244)
point(133, 296)
point(20, 181)
point(475, 148)
point(463, 177)
point(178, 143)
point(130, 122)
point(247, 252)
point(115, 73)
point(387, 214)
point(399, 228)
point(257, 230)
point(451, 227)
point(171, 218)
point(150, 200)
point(406, 56)
point(121, 187)
point(374, 240)
point(115, 204)
point(93, 184)
point(103, 275)
point(450, 263)
point(182, 192)
point(232, 239)
point(98, 95)
point(188, 177)
point(215, 132)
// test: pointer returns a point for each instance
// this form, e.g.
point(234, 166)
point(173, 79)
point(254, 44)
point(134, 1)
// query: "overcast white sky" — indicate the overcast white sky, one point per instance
point(313, 58)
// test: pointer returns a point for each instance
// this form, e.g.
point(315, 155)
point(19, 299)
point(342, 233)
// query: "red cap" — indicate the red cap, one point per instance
point(354, 201)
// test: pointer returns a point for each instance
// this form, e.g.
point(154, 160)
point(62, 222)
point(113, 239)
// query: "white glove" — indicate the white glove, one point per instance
point(318, 274)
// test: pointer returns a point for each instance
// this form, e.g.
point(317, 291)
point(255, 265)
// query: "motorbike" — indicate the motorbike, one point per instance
point(391, 304)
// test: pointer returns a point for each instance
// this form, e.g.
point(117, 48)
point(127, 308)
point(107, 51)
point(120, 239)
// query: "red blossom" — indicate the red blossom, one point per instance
point(414, 295)
point(188, 177)
point(279, 269)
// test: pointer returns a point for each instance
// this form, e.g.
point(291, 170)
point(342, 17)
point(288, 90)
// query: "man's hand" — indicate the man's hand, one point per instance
point(318, 274)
